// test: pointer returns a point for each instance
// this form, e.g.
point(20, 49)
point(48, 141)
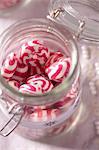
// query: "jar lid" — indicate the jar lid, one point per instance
point(75, 12)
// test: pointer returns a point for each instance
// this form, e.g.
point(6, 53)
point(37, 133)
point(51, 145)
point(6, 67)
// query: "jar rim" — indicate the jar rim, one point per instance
point(71, 17)
point(65, 85)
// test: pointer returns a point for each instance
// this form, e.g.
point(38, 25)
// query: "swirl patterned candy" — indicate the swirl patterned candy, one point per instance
point(14, 84)
point(26, 53)
point(9, 66)
point(30, 89)
point(55, 56)
point(44, 115)
point(36, 85)
point(59, 69)
point(21, 72)
point(34, 50)
point(36, 68)
point(41, 81)
point(41, 53)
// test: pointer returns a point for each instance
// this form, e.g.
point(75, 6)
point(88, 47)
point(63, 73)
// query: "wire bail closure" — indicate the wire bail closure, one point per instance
point(80, 29)
point(56, 12)
point(15, 110)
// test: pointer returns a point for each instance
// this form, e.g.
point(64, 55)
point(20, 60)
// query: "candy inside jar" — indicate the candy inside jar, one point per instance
point(35, 69)
point(40, 77)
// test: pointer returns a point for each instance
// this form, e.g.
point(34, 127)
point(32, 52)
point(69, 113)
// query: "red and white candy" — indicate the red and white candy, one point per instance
point(30, 89)
point(43, 54)
point(9, 66)
point(41, 81)
point(14, 84)
point(36, 68)
point(36, 85)
point(44, 115)
point(26, 53)
point(34, 50)
point(59, 69)
point(31, 64)
point(55, 56)
point(21, 72)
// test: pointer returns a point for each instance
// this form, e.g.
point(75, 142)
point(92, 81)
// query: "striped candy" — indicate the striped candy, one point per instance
point(36, 85)
point(31, 64)
point(9, 66)
point(41, 81)
point(14, 84)
point(59, 69)
point(21, 72)
point(30, 89)
point(26, 53)
point(41, 53)
point(55, 56)
point(34, 50)
point(44, 115)
point(36, 68)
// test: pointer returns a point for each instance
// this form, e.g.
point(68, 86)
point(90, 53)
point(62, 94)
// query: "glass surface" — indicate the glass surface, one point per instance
point(57, 36)
point(73, 13)
point(56, 111)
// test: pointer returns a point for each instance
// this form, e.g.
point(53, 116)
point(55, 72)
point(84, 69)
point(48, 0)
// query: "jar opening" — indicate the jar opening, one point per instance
point(75, 11)
point(57, 35)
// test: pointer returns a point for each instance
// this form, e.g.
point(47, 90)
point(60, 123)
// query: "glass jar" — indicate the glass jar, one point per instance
point(82, 18)
point(48, 114)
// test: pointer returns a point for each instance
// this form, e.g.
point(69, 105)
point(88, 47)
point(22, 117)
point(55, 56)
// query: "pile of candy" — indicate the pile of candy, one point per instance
point(7, 3)
point(35, 69)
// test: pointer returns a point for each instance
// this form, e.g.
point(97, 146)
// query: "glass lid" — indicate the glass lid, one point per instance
point(76, 11)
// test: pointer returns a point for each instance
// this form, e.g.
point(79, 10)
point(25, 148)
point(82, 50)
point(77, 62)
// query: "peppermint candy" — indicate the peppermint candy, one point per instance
point(9, 66)
point(59, 69)
point(55, 56)
point(34, 50)
point(14, 84)
point(33, 62)
point(44, 115)
point(35, 68)
point(30, 89)
point(21, 72)
point(43, 54)
point(32, 70)
point(26, 53)
point(36, 85)
point(40, 81)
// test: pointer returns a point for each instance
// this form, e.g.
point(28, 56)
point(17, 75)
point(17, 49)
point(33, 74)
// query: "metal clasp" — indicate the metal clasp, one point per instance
point(15, 110)
point(80, 28)
point(55, 13)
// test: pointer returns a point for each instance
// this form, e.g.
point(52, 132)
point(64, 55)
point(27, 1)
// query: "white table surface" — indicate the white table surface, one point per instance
point(38, 8)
